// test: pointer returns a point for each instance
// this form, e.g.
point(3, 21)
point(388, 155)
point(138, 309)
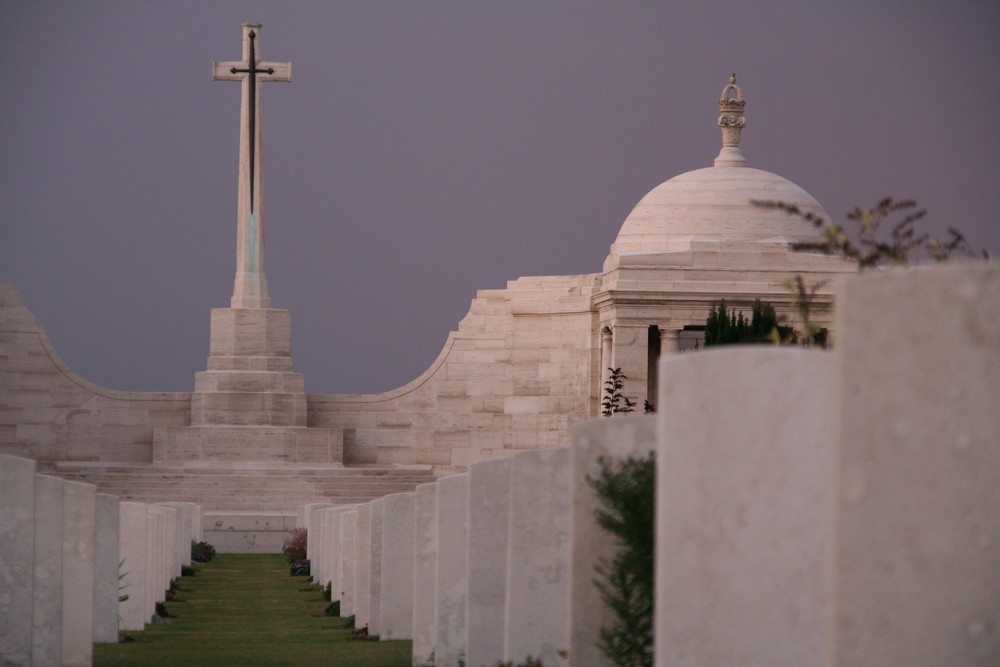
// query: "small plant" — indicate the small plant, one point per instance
point(361, 635)
point(122, 597)
point(348, 623)
point(626, 491)
point(202, 552)
point(528, 662)
point(327, 592)
point(332, 609)
point(188, 571)
point(615, 402)
point(294, 547)
point(873, 248)
point(301, 568)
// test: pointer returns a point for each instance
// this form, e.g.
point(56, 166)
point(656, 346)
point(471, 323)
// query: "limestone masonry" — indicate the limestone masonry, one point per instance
point(524, 364)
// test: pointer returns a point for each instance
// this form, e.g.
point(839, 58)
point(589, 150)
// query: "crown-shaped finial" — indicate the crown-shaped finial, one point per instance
point(731, 121)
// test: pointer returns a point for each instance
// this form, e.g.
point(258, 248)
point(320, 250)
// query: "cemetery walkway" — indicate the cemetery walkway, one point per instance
point(245, 609)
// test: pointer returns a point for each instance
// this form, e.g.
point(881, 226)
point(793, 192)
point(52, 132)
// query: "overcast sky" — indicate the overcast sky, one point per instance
point(425, 150)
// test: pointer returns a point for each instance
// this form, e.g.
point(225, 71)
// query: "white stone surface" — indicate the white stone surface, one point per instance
point(247, 531)
point(180, 538)
point(742, 506)
point(106, 559)
point(132, 526)
point(397, 567)
point(375, 559)
point(917, 562)
point(348, 539)
point(424, 574)
point(538, 569)
point(362, 566)
point(17, 537)
point(79, 504)
point(452, 570)
point(46, 613)
point(489, 516)
point(615, 439)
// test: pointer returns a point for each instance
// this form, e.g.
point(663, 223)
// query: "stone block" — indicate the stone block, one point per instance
point(424, 573)
point(79, 514)
point(346, 562)
point(132, 526)
point(742, 506)
point(46, 612)
point(362, 566)
point(17, 553)
point(397, 566)
point(375, 560)
point(538, 585)
point(612, 440)
point(489, 516)
point(916, 575)
point(106, 559)
point(452, 571)
point(247, 531)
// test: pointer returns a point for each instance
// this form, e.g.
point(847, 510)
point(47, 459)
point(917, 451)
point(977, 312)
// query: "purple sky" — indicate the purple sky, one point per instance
point(425, 150)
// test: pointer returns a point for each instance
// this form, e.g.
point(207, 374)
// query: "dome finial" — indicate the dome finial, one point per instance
point(731, 121)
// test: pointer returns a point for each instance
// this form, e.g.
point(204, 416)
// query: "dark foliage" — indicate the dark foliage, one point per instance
point(294, 547)
point(202, 552)
point(625, 490)
point(615, 402)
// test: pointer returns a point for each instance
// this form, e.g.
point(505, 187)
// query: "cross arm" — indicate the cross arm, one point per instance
point(223, 71)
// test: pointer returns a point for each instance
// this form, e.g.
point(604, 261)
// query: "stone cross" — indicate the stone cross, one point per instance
point(250, 289)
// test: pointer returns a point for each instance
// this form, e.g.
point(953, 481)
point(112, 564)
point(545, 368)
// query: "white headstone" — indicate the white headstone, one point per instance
point(17, 536)
point(376, 568)
point(137, 609)
point(452, 579)
point(397, 567)
point(79, 504)
point(917, 564)
point(537, 612)
point(489, 516)
point(424, 573)
point(106, 559)
point(348, 537)
point(612, 440)
point(46, 613)
point(362, 566)
point(742, 506)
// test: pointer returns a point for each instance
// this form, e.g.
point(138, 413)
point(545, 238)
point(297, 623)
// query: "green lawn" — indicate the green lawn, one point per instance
point(245, 609)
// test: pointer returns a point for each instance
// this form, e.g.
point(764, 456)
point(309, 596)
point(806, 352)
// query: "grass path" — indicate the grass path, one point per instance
point(244, 609)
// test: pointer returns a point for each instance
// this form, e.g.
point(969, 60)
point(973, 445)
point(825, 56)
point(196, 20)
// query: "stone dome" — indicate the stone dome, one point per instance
point(714, 206)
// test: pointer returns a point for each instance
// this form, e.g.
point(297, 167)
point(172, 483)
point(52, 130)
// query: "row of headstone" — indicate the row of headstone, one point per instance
point(811, 507)
point(77, 566)
point(493, 565)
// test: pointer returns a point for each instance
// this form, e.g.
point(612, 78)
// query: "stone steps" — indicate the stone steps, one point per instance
point(245, 487)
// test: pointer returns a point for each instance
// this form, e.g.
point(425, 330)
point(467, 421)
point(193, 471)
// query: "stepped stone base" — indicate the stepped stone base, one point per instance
point(265, 444)
point(244, 487)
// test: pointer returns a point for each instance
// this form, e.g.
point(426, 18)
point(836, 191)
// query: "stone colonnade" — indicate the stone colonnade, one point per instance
point(66, 555)
point(812, 507)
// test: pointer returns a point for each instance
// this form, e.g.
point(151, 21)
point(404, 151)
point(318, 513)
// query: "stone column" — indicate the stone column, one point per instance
point(17, 553)
point(489, 517)
point(397, 566)
point(538, 586)
point(451, 580)
point(631, 354)
point(424, 574)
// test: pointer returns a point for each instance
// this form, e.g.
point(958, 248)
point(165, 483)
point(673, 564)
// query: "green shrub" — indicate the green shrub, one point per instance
point(295, 545)
point(333, 609)
point(202, 552)
point(626, 492)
